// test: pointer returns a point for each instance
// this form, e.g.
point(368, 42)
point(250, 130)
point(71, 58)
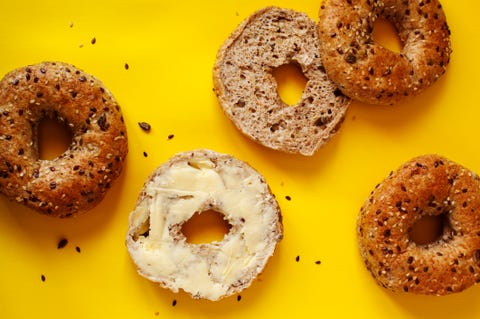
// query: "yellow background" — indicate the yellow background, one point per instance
point(170, 47)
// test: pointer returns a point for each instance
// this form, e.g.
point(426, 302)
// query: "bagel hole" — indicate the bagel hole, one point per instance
point(291, 82)
point(428, 229)
point(386, 35)
point(205, 227)
point(54, 138)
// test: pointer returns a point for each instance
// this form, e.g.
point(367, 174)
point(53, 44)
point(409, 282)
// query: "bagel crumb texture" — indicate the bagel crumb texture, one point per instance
point(428, 185)
point(368, 72)
point(78, 179)
point(247, 90)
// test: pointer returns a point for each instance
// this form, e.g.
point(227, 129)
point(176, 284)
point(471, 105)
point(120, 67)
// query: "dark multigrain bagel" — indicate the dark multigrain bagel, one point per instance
point(76, 180)
point(247, 90)
point(426, 185)
point(368, 72)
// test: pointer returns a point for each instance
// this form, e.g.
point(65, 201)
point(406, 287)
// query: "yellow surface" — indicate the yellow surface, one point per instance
point(170, 48)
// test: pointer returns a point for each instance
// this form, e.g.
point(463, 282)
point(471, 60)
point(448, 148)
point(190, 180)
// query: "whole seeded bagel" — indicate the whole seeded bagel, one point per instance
point(78, 179)
point(247, 90)
point(195, 182)
point(370, 73)
point(428, 185)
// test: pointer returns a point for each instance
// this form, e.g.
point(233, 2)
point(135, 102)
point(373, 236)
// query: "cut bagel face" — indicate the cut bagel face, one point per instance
point(195, 182)
point(247, 90)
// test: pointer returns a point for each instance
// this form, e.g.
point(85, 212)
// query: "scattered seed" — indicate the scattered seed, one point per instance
point(171, 136)
point(297, 259)
point(127, 66)
point(318, 262)
point(174, 302)
point(145, 154)
point(288, 197)
point(102, 122)
point(70, 24)
point(43, 278)
point(93, 41)
point(62, 243)
point(145, 126)
point(78, 249)
point(239, 297)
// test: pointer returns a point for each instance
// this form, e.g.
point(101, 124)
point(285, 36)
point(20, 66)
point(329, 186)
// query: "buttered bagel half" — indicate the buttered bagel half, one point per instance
point(194, 182)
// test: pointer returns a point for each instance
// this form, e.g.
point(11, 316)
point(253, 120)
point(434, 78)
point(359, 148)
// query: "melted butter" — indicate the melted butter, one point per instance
point(207, 270)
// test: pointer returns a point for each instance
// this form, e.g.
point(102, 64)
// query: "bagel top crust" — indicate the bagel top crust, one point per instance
point(247, 90)
point(428, 185)
point(78, 179)
point(370, 73)
point(194, 182)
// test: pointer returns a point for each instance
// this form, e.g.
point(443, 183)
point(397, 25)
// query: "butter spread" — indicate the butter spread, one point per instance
point(205, 270)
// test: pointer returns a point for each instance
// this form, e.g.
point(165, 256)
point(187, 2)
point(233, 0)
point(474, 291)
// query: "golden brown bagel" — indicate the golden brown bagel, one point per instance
point(428, 185)
point(78, 179)
point(368, 72)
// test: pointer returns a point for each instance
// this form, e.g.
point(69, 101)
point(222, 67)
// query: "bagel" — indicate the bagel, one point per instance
point(78, 179)
point(370, 73)
point(428, 185)
point(247, 90)
point(194, 182)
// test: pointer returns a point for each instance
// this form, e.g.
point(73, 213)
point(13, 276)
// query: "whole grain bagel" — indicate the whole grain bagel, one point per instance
point(247, 90)
point(428, 185)
point(78, 179)
point(194, 182)
point(370, 73)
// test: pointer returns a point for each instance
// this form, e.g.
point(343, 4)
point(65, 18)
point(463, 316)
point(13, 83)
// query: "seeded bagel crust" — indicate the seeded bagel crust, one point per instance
point(194, 182)
point(368, 72)
point(428, 185)
point(247, 90)
point(78, 179)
